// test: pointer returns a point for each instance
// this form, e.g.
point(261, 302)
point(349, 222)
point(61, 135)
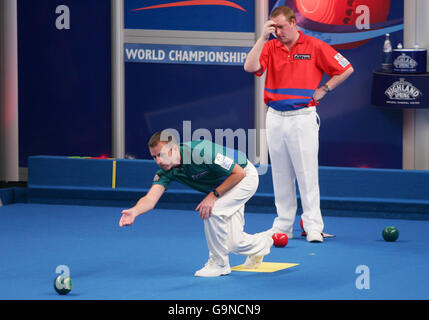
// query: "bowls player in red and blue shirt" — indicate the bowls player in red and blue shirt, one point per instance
point(294, 64)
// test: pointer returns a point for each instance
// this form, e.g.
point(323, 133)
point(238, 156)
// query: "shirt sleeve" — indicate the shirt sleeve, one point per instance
point(224, 160)
point(161, 178)
point(331, 61)
point(220, 159)
point(222, 164)
point(217, 159)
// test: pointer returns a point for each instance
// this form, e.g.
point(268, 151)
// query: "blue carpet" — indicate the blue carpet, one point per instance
point(155, 258)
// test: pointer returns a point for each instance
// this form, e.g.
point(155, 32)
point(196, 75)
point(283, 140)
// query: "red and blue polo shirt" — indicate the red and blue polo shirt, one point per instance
point(293, 76)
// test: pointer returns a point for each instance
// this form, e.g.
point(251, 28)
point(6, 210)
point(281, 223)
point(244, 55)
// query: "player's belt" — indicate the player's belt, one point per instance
point(292, 112)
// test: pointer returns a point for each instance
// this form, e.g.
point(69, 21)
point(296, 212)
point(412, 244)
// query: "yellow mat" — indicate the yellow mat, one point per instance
point(266, 267)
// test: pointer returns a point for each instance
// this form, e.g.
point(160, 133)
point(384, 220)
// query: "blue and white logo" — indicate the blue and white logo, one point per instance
point(403, 90)
point(405, 62)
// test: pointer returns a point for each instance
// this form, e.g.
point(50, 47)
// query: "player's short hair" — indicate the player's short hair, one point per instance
point(163, 135)
point(283, 10)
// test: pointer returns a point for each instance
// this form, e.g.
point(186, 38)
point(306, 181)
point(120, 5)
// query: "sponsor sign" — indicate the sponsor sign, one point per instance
point(400, 91)
point(181, 54)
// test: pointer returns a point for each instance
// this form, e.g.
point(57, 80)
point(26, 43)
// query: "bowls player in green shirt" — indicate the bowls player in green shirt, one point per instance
point(227, 178)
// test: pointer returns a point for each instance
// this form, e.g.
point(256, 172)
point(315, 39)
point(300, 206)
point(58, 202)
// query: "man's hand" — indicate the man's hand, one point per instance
point(127, 218)
point(205, 207)
point(269, 28)
point(252, 63)
point(319, 94)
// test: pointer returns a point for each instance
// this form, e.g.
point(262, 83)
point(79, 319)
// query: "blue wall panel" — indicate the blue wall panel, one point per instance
point(353, 132)
point(161, 96)
point(205, 15)
point(64, 79)
point(64, 87)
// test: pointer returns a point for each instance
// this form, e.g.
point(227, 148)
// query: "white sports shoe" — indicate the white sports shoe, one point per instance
point(314, 236)
point(212, 269)
point(254, 261)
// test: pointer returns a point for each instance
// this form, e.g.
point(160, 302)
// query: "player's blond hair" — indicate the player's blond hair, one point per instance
point(162, 135)
point(285, 11)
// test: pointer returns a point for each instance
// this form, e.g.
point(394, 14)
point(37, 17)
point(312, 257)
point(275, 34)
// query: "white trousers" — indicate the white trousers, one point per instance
point(224, 229)
point(293, 144)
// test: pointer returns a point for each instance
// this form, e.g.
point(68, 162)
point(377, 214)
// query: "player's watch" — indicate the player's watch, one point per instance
point(326, 88)
point(217, 195)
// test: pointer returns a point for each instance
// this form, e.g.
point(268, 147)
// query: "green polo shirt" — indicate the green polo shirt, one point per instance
point(204, 166)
